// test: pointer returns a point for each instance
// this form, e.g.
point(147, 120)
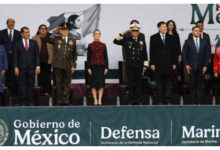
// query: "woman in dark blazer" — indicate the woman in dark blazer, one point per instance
point(97, 59)
point(171, 30)
point(46, 56)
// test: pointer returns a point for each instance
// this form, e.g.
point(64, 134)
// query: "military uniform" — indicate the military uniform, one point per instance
point(64, 58)
point(136, 59)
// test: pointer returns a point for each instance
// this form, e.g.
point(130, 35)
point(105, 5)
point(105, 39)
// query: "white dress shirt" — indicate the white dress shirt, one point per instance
point(162, 35)
point(197, 41)
point(201, 35)
point(65, 39)
point(12, 32)
point(24, 41)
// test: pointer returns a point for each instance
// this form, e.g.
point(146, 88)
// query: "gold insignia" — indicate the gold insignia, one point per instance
point(146, 63)
point(71, 42)
point(59, 42)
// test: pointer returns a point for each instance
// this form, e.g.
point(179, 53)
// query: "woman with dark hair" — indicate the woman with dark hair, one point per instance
point(46, 56)
point(97, 59)
point(171, 30)
point(75, 30)
point(74, 22)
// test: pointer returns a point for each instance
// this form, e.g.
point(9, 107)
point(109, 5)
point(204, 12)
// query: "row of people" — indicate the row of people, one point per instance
point(23, 57)
point(165, 57)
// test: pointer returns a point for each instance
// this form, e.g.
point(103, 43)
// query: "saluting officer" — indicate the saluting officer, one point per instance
point(136, 61)
point(64, 61)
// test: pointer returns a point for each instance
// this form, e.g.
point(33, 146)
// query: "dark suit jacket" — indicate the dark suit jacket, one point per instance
point(163, 56)
point(26, 60)
point(9, 46)
point(192, 58)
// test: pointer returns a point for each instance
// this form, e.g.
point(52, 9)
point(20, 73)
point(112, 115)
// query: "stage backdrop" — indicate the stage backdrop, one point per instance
point(112, 19)
point(110, 126)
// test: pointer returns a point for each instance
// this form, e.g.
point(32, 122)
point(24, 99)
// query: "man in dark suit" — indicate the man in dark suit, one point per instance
point(209, 73)
point(196, 54)
point(7, 39)
point(163, 60)
point(26, 63)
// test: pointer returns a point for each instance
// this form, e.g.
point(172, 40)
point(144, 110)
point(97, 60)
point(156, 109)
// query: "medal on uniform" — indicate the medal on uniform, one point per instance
point(130, 44)
point(71, 42)
point(141, 44)
point(59, 43)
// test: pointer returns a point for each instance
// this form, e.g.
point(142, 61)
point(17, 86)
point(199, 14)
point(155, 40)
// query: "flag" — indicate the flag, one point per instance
point(90, 22)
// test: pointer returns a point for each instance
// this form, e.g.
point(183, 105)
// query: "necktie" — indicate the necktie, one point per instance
point(197, 46)
point(201, 36)
point(65, 39)
point(10, 35)
point(26, 45)
point(163, 38)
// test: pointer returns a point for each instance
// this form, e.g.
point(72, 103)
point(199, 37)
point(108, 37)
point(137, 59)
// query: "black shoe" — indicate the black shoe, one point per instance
point(30, 104)
point(130, 102)
point(60, 104)
point(66, 104)
point(159, 103)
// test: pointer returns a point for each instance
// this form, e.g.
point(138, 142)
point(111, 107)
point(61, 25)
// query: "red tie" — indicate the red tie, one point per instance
point(26, 45)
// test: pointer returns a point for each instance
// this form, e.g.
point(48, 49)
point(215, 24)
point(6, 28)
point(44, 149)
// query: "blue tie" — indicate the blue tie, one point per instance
point(197, 46)
point(163, 38)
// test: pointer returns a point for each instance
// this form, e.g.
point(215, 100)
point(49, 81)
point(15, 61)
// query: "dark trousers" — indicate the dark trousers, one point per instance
point(63, 81)
point(209, 77)
point(1, 99)
point(196, 79)
point(27, 78)
point(164, 86)
point(44, 77)
point(11, 81)
point(134, 76)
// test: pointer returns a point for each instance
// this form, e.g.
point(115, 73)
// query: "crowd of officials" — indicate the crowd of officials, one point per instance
point(22, 58)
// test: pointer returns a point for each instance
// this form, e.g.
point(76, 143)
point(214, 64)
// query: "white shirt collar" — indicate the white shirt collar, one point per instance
point(134, 38)
point(161, 35)
point(202, 35)
point(23, 40)
point(196, 39)
point(10, 30)
point(66, 38)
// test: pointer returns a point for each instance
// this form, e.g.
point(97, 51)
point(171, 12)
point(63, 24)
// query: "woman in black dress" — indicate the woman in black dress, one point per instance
point(97, 59)
point(171, 30)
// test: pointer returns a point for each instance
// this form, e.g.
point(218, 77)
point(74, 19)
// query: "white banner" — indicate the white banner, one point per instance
point(115, 18)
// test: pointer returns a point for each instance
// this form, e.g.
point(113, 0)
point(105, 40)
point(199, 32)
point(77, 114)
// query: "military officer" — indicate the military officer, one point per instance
point(136, 61)
point(64, 61)
point(128, 33)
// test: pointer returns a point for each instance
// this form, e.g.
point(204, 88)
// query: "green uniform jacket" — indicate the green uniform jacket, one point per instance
point(65, 54)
